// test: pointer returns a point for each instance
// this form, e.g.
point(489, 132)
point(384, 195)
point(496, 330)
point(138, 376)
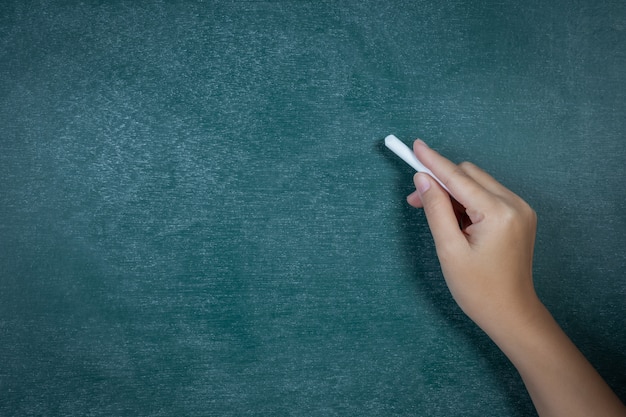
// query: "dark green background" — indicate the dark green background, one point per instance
point(197, 217)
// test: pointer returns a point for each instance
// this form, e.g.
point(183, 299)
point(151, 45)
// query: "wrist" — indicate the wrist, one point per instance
point(514, 318)
point(522, 329)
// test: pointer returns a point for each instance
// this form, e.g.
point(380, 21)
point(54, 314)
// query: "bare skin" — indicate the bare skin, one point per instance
point(487, 265)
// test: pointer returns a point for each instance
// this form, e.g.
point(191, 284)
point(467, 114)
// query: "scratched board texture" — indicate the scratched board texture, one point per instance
point(197, 216)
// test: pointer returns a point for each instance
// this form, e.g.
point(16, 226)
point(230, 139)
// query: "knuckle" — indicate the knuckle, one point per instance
point(467, 166)
point(530, 214)
point(518, 214)
point(433, 205)
point(508, 214)
point(525, 209)
point(458, 174)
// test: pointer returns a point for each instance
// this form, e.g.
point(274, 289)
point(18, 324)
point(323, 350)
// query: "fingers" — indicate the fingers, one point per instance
point(474, 192)
point(484, 179)
point(414, 199)
point(462, 217)
point(462, 187)
point(440, 214)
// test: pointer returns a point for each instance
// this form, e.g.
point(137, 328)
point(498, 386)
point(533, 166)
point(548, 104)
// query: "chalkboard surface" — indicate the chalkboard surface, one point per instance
point(197, 216)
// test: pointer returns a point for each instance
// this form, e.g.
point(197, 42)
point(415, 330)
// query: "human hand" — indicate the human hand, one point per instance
point(486, 261)
point(487, 265)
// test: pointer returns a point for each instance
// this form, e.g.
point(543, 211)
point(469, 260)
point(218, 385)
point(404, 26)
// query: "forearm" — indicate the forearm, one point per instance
point(560, 381)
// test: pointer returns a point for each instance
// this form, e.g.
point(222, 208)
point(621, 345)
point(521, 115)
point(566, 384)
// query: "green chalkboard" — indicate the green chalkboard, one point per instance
point(197, 216)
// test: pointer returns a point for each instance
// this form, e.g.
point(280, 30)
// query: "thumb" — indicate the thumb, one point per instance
point(439, 212)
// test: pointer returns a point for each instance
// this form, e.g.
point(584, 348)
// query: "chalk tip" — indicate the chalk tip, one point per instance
point(390, 138)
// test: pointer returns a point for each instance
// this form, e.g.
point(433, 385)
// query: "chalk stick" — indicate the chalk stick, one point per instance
point(399, 148)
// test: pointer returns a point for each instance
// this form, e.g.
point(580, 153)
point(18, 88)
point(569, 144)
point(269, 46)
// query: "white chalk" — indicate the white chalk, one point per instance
point(399, 148)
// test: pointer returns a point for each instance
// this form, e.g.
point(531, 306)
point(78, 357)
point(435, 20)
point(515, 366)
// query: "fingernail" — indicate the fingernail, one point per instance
point(421, 183)
point(413, 198)
point(421, 142)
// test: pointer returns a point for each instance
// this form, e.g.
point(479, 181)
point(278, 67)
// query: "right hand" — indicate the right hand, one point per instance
point(487, 264)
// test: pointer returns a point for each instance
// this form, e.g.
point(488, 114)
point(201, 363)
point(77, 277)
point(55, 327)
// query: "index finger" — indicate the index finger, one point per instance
point(461, 186)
